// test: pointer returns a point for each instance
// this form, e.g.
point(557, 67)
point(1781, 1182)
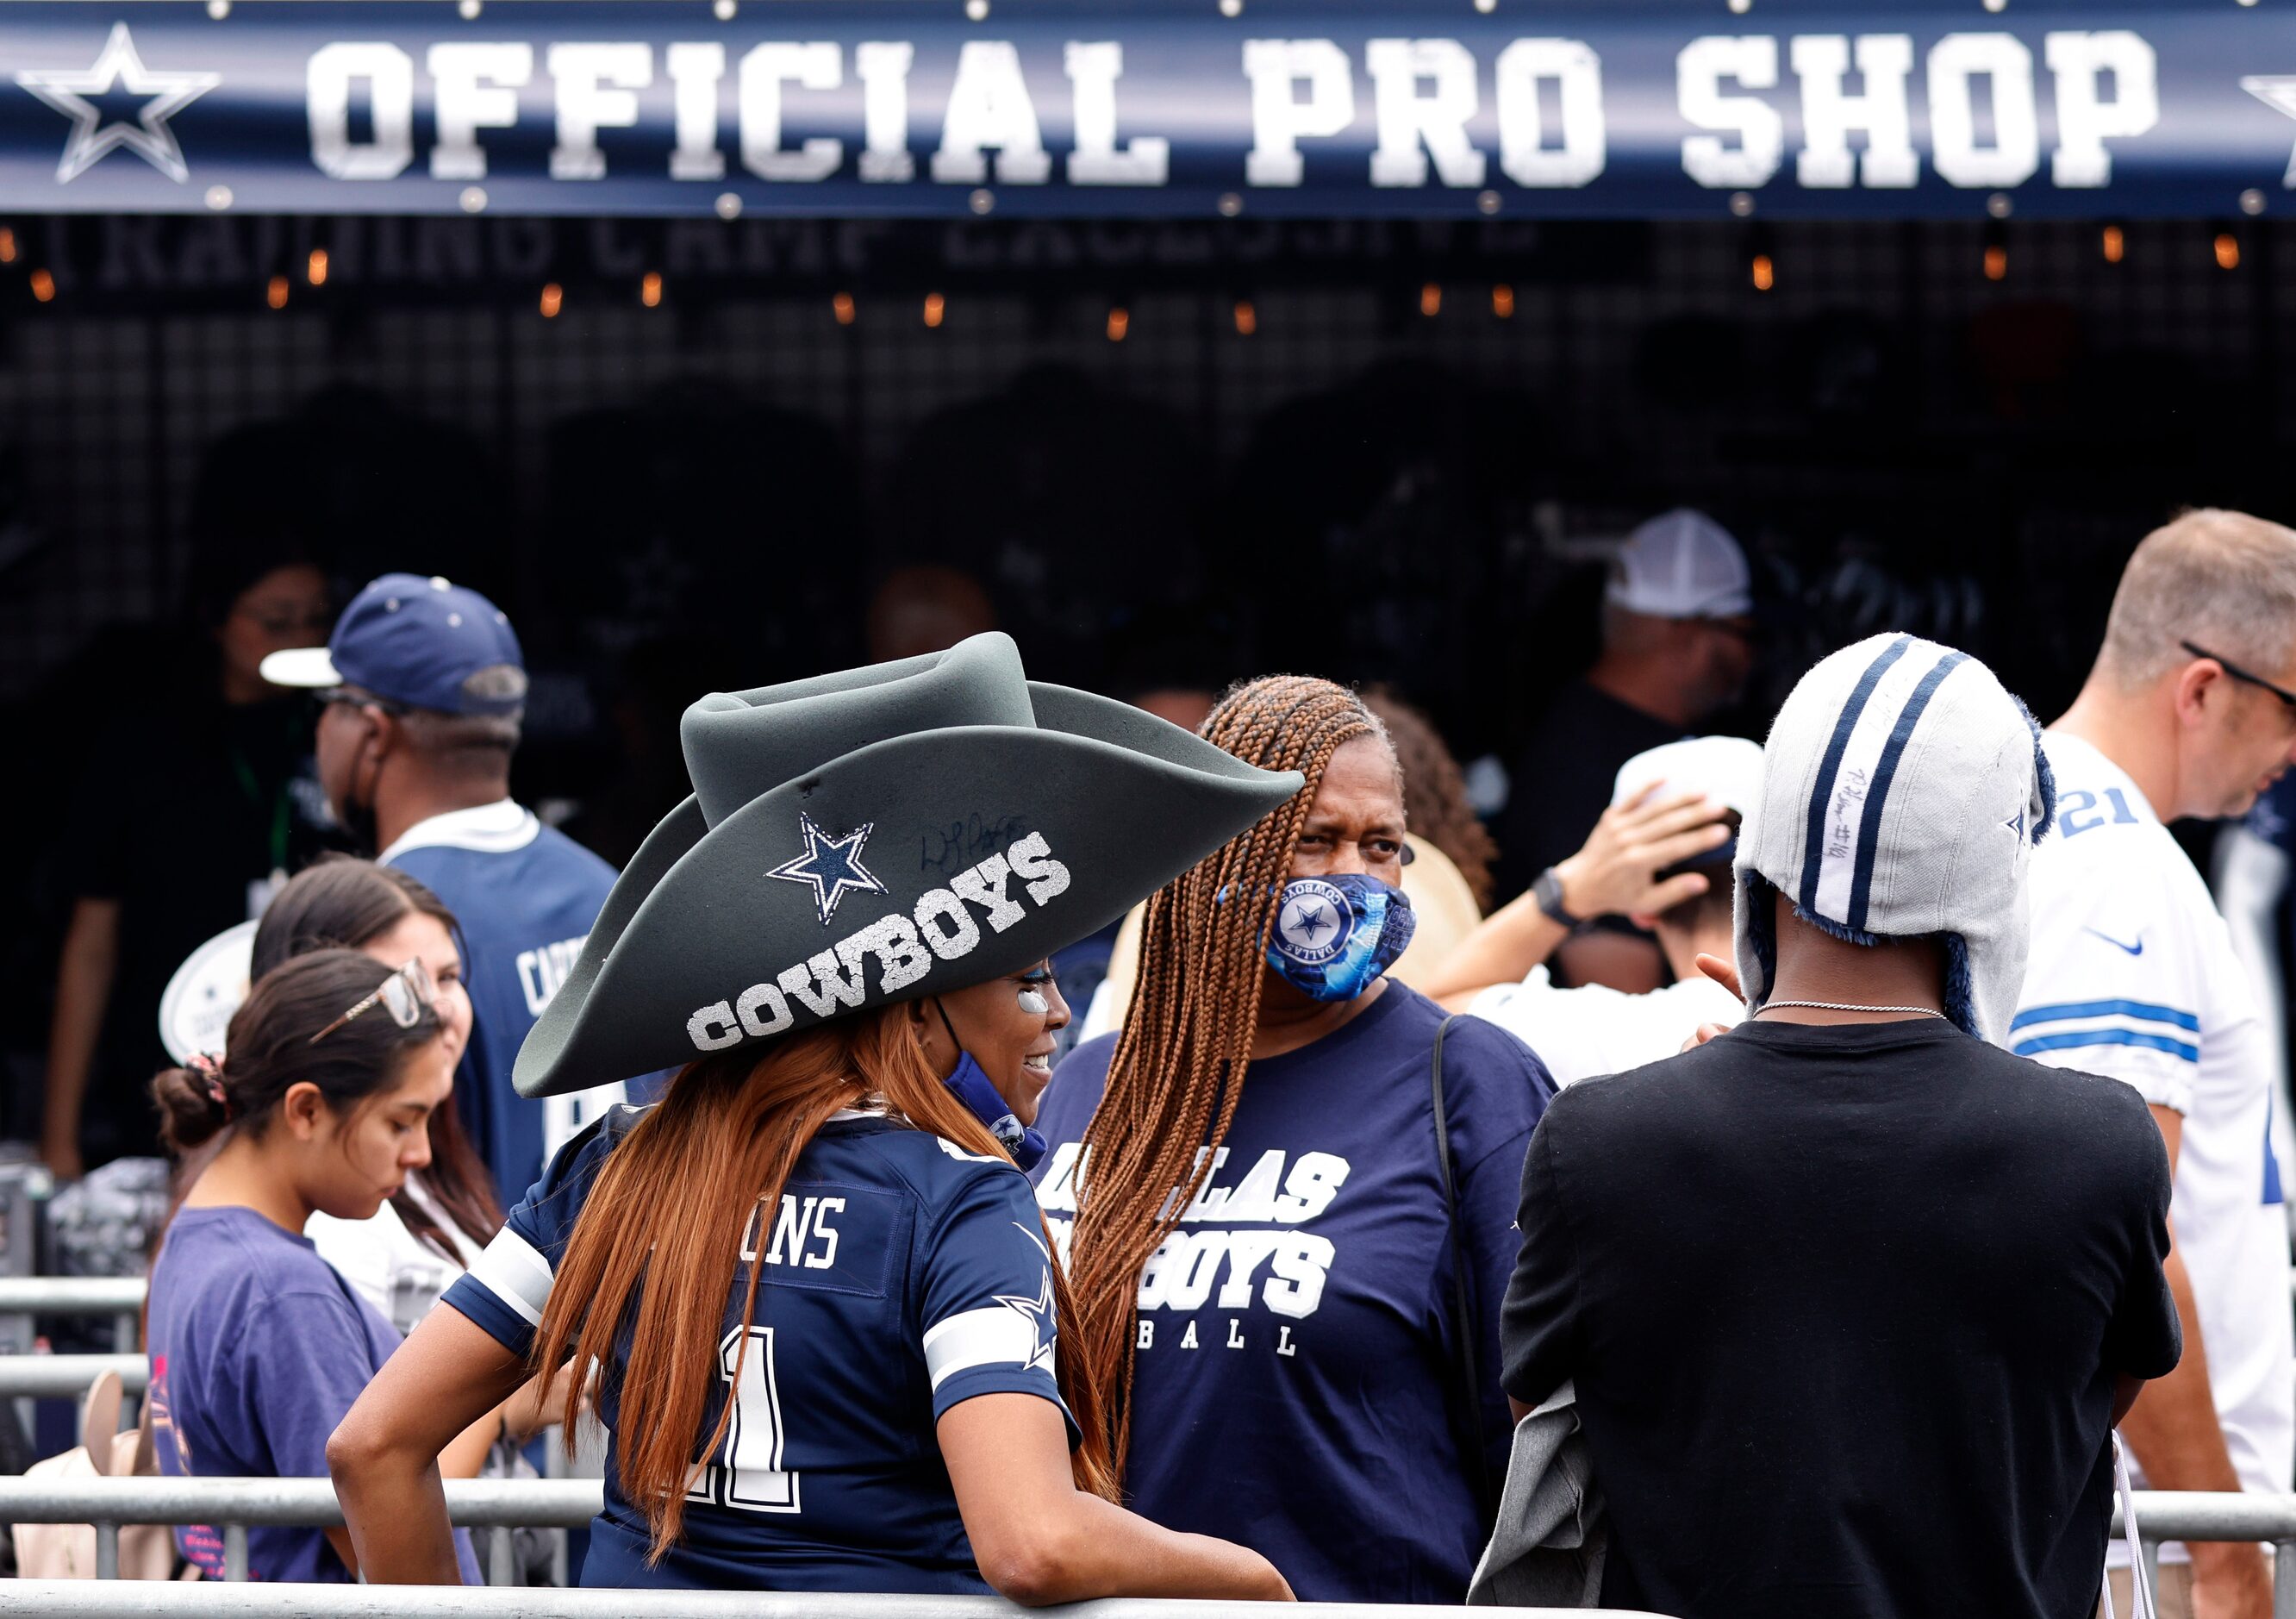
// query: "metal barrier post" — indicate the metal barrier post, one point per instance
point(234, 1551)
point(107, 1551)
point(2284, 1580)
point(502, 1556)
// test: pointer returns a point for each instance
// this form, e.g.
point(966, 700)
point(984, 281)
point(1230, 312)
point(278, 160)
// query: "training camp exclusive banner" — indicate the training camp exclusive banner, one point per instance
point(1152, 108)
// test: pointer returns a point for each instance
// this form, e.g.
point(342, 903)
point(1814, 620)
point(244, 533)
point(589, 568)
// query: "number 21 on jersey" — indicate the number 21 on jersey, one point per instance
point(747, 1475)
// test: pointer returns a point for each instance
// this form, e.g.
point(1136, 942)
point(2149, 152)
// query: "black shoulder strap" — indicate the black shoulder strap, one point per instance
point(1462, 1313)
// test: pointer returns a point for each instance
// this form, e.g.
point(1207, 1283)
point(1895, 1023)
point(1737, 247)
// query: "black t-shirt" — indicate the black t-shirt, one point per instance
point(1564, 776)
point(181, 812)
point(1844, 1308)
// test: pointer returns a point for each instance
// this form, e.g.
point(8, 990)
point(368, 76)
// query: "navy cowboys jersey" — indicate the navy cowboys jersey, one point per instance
point(901, 1276)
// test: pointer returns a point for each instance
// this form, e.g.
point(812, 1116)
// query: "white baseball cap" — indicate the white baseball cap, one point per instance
point(1904, 790)
point(1681, 564)
point(1727, 770)
point(196, 1007)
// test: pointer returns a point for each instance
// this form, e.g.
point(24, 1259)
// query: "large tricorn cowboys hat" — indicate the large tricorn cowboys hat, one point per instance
point(875, 835)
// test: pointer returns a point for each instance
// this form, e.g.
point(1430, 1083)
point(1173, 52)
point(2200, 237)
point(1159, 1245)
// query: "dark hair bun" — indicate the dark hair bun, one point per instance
point(190, 1113)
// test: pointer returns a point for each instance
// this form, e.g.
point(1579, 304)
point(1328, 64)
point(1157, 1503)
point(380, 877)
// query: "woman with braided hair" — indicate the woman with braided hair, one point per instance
point(1286, 1265)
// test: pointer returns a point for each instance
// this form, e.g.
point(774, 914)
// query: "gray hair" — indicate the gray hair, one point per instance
point(2224, 580)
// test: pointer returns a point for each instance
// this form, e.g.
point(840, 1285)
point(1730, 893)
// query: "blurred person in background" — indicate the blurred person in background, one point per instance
point(2190, 710)
point(1286, 1263)
point(258, 1348)
point(1435, 795)
point(1678, 647)
point(923, 609)
point(424, 687)
point(191, 816)
point(1674, 883)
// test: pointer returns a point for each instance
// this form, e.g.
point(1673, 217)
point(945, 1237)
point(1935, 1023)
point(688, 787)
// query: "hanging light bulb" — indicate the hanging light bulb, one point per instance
point(554, 299)
point(650, 290)
point(2228, 247)
point(44, 286)
point(275, 294)
point(1119, 322)
point(7, 245)
point(1502, 301)
point(1765, 272)
point(2116, 244)
point(1247, 319)
point(1430, 300)
point(842, 307)
point(1996, 261)
point(936, 306)
point(315, 269)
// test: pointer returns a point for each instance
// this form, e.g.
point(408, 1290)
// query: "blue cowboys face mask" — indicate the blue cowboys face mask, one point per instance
point(978, 1092)
point(1334, 936)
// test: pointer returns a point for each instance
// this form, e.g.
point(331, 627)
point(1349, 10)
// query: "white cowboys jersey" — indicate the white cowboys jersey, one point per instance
point(2132, 975)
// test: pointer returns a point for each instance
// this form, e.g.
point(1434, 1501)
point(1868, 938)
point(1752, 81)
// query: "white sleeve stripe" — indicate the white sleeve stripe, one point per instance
point(513, 1271)
point(996, 1336)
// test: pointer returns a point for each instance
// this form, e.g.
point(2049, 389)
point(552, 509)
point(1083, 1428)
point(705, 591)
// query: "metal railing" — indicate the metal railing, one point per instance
point(234, 1505)
point(87, 1599)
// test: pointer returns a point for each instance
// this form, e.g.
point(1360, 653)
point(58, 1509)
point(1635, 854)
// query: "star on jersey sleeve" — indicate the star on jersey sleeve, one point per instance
point(985, 1310)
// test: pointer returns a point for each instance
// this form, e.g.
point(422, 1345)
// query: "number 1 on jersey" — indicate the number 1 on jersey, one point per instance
point(748, 1475)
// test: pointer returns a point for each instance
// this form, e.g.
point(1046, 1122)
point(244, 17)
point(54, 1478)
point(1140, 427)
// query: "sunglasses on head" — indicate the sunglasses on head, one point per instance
point(406, 995)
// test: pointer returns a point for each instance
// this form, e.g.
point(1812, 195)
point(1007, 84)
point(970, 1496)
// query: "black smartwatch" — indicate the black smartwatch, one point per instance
point(1547, 891)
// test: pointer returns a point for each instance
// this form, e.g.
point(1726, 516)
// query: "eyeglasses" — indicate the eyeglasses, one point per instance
point(406, 995)
point(2287, 697)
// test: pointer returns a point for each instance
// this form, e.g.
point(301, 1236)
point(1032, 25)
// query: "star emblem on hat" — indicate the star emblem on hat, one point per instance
point(2276, 91)
point(831, 865)
point(117, 67)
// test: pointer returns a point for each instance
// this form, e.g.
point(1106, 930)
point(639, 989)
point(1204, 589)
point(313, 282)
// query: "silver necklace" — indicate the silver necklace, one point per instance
point(1837, 1005)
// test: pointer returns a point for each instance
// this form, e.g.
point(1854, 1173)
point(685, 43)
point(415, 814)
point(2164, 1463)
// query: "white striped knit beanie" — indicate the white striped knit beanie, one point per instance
point(1903, 789)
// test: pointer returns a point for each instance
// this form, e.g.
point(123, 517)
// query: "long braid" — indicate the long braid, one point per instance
point(1178, 1069)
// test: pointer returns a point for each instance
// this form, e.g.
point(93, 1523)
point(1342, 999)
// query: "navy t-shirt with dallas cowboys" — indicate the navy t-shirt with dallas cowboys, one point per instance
point(901, 1277)
point(1297, 1380)
point(525, 895)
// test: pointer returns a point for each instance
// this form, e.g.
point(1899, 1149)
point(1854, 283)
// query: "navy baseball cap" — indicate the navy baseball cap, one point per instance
point(425, 643)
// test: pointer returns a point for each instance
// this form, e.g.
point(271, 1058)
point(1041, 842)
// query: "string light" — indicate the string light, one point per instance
point(1119, 322)
point(841, 306)
point(44, 286)
point(275, 294)
point(1996, 261)
point(1502, 301)
point(1765, 273)
point(2227, 251)
point(1247, 319)
point(650, 290)
point(2116, 245)
point(7, 245)
point(316, 270)
point(1430, 300)
point(936, 306)
point(554, 299)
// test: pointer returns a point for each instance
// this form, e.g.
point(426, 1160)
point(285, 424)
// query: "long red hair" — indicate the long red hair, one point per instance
point(660, 1238)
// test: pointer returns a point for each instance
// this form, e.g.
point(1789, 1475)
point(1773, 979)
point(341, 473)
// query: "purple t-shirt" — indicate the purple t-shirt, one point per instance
point(258, 1349)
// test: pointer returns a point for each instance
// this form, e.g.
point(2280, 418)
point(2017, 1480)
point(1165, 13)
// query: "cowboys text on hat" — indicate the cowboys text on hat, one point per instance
point(939, 926)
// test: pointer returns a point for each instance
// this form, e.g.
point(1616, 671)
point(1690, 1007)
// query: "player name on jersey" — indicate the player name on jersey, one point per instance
point(939, 926)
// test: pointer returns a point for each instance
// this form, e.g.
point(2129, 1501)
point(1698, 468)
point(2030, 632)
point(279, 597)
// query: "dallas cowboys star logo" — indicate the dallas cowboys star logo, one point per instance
point(1309, 921)
point(1037, 1311)
point(2276, 91)
point(831, 864)
point(149, 138)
